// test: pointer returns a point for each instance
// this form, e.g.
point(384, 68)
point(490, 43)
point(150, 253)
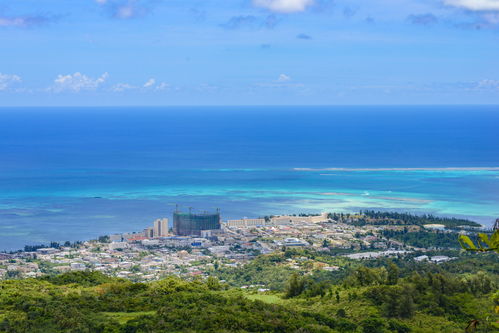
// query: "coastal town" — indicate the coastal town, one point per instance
point(190, 250)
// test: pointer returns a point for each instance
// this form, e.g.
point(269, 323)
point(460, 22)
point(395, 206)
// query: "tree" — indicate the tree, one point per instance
point(13, 274)
point(296, 286)
point(484, 243)
point(213, 284)
point(406, 308)
point(393, 274)
point(372, 325)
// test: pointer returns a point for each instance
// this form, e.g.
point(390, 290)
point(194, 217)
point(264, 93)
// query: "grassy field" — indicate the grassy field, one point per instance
point(266, 298)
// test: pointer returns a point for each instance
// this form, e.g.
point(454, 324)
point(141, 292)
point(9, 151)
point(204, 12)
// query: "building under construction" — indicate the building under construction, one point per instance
point(191, 224)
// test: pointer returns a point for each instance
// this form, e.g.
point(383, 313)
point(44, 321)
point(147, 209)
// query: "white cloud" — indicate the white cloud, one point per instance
point(283, 81)
point(149, 86)
point(488, 84)
point(163, 86)
point(25, 21)
point(7, 79)
point(125, 9)
point(120, 87)
point(12, 22)
point(477, 5)
point(284, 6)
point(284, 78)
point(125, 12)
point(78, 82)
point(151, 82)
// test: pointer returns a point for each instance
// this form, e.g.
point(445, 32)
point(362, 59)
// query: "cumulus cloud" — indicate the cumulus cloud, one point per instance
point(78, 82)
point(283, 81)
point(476, 5)
point(149, 83)
point(125, 9)
point(422, 19)
point(488, 84)
point(7, 80)
point(284, 6)
point(148, 86)
point(162, 86)
point(284, 78)
point(120, 87)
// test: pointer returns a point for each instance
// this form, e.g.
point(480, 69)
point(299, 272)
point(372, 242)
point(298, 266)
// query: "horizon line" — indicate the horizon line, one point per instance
point(496, 168)
point(250, 105)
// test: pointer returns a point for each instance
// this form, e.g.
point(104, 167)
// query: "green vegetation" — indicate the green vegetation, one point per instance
point(484, 242)
point(382, 295)
point(264, 270)
point(393, 218)
point(424, 239)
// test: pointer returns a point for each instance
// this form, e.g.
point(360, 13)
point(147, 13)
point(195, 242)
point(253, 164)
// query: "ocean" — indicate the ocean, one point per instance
point(77, 173)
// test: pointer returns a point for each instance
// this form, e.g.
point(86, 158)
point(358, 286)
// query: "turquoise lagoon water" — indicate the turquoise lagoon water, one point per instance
point(72, 174)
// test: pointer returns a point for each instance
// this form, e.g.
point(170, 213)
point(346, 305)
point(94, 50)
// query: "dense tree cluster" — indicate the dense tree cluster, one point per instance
point(424, 239)
point(384, 295)
point(405, 218)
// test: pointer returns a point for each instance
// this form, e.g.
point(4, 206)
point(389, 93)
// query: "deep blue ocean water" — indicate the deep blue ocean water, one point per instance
point(76, 173)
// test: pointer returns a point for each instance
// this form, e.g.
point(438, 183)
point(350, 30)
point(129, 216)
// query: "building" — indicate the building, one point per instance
point(118, 245)
point(160, 227)
point(116, 238)
point(77, 266)
point(293, 242)
point(149, 232)
point(245, 223)
point(276, 220)
point(190, 224)
point(291, 219)
point(48, 250)
point(176, 241)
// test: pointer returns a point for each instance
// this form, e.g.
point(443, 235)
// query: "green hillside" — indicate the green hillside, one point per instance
point(384, 297)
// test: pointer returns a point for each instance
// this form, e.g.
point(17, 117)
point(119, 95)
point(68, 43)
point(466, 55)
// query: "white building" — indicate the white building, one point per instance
point(160, 227)
point(150, 242)
point(118, 245)
point(48, 250)
point(77, 266)
point(245, 223)
point(116, 238)
point(149, 232)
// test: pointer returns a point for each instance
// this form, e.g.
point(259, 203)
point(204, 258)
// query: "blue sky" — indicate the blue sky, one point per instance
point(244, 52)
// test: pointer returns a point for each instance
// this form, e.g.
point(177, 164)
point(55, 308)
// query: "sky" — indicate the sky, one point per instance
point(248, 52)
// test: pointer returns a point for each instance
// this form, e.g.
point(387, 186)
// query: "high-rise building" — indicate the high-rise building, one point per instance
point(149, 232)
point(160, 227)
point(190, 224)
